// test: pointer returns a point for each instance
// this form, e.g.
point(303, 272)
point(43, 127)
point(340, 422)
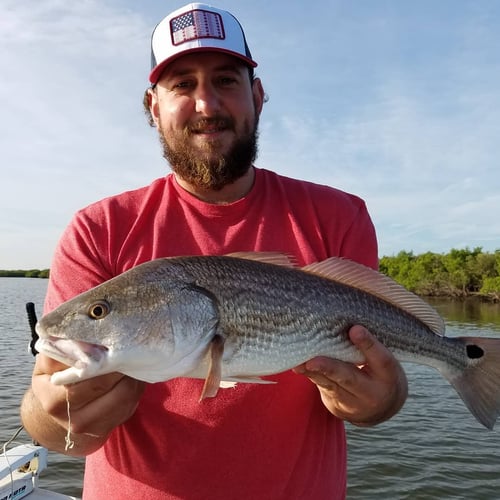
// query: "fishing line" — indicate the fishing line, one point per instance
point(69, 442)
point(11, 472)
point(32, 320)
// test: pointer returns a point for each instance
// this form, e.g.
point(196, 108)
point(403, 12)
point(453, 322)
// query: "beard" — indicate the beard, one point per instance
point(208, 168)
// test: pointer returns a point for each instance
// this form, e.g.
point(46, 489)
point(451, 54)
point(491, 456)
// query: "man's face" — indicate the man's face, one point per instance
point(206, 110)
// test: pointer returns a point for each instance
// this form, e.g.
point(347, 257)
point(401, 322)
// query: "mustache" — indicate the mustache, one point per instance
point(217, 122)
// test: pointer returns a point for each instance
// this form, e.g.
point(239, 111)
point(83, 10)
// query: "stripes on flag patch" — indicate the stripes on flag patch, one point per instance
point(196, 24)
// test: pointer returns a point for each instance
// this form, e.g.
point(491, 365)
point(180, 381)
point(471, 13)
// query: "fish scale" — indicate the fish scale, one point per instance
point(303, 306)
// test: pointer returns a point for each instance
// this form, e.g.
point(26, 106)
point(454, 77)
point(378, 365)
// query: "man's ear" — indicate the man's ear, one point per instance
point(152, 102)
point(259, 95)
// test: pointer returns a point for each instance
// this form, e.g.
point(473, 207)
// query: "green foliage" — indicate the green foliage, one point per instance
point(31, 273)
point(459, 273)
point(44, 273)
point(491, 287)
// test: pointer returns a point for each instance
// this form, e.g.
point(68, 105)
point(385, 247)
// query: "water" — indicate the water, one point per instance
point(16, 364)
point(433, 449)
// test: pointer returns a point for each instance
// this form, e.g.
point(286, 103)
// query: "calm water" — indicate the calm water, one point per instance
point(16, 365)
point(433, 449)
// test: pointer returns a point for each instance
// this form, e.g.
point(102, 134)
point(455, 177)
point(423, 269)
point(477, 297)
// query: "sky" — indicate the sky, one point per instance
point(396, 101)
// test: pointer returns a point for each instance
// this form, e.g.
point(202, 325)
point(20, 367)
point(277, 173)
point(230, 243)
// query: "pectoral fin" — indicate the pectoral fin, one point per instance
point(213, 380)
point(232, 381)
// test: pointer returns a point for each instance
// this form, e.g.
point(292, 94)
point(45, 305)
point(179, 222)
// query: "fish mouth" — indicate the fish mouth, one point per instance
point(74, 353)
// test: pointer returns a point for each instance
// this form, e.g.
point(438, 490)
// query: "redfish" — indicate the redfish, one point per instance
point(236, 318)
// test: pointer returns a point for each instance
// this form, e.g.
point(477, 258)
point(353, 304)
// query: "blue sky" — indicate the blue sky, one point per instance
point(397, 101)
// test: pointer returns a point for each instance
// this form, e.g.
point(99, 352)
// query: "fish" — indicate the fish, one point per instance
point(240, 317)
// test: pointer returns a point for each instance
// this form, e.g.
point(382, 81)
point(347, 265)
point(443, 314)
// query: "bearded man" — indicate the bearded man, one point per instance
point(156, 441)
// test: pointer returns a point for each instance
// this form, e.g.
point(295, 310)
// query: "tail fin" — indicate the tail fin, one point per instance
point(479, 383)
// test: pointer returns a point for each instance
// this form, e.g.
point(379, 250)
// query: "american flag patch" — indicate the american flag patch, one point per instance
point(196, 24)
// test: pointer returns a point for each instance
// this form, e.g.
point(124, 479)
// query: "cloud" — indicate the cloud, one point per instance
point(71, 114)
point(417, 138)
point(382, 100)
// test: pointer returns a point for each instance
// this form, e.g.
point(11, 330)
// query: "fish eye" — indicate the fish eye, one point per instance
point(99, 310)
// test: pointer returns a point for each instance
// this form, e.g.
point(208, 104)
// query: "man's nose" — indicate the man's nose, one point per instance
point(207, 101)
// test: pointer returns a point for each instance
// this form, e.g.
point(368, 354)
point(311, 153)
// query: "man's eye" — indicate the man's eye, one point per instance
point(182, 85)
point(227, 81)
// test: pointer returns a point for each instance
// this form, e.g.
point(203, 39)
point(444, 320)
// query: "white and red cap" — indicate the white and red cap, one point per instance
point(196, 27)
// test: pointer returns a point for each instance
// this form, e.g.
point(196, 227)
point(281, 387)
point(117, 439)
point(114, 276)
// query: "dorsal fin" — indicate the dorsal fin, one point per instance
point(276, 258)
point(368, 280)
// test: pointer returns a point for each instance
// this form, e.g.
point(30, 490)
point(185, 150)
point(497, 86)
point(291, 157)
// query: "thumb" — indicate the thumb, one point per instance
point(378, 359)
point(376, 355)
point(362, 338)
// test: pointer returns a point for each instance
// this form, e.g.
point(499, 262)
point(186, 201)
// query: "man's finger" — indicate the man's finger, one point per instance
point(332, 374)
point(377, 356)
point(361, 338)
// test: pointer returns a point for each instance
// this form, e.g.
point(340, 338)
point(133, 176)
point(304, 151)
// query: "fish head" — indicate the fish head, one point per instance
point(148, 327)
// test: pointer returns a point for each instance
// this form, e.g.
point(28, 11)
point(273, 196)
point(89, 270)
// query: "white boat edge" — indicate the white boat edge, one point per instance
point(40, 494)
point(20, 468)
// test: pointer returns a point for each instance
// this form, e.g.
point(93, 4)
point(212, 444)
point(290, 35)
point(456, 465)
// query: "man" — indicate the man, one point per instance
point(155, 441)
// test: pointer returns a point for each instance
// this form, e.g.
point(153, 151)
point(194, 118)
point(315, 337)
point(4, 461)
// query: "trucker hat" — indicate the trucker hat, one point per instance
point(196, 27)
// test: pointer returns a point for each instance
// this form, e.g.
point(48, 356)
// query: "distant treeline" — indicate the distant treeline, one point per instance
point(31, 273)
point(459, 273)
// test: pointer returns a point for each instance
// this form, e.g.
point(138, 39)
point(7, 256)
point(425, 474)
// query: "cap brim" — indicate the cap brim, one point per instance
point(157, 71)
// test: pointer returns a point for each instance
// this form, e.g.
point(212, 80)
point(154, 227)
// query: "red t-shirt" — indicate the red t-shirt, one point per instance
point(254, 441)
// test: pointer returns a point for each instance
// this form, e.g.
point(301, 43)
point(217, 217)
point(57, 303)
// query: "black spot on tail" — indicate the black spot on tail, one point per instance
point(474, 351)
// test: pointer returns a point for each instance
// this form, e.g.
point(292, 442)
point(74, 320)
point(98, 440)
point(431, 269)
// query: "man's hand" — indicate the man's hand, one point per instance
point(363, 395)
point(96, 407)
